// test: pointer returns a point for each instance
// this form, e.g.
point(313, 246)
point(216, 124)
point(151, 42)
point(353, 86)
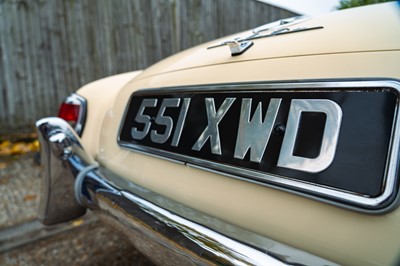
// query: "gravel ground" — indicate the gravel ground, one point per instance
point(82, 242)
point(91, 244)
point(19, 190)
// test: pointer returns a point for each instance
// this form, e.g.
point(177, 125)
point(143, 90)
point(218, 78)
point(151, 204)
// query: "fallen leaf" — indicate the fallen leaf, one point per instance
point(36, 145)
point(5, 144)
point(3, 165)
point(8, 148)
point(77, 222)
point(18, 148)
point(30, 197)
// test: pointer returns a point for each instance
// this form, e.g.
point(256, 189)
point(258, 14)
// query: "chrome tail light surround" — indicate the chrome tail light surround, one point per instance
point(73, 110)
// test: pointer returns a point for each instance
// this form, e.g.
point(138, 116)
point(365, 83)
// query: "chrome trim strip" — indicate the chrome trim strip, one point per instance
point(177, 233)
point(142, 214)
point(188, 242)
point(281, 24)
point(333, 196)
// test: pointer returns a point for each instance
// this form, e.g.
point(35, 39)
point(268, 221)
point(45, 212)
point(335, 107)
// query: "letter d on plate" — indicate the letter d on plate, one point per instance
point(329, 140)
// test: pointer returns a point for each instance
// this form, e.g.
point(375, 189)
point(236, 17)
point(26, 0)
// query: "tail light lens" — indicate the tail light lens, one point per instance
point(73, 110)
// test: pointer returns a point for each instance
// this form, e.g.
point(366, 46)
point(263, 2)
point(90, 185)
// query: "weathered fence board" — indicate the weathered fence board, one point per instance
point(49, 48)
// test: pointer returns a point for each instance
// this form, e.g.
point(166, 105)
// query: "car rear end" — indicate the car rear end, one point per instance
point(285, 152)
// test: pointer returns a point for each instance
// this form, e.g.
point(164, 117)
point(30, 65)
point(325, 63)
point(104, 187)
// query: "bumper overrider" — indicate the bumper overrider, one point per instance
point(167, 232)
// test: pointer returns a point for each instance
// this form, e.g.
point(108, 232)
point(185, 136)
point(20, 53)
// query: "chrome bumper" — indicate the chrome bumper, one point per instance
point(73, 181)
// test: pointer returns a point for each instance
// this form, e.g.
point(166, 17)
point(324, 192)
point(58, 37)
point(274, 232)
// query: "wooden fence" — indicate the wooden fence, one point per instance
point(49, 48)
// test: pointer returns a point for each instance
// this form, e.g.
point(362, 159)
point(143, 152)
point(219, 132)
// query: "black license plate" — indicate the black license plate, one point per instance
point(325, 139)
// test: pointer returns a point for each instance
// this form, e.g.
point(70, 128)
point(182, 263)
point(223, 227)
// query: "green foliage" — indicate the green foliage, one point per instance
point(343, 4)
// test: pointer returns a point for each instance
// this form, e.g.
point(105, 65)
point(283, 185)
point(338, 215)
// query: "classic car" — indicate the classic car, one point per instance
point(274, 146)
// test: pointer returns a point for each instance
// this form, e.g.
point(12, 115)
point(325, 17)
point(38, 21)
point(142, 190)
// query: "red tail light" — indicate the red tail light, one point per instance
point(69, 112)
point(73, 110)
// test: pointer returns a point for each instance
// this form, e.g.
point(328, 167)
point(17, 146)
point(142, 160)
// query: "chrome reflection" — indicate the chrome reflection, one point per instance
point(211, 131)
point(62, 157)
point(329, 140)
point(143, 119)
point(254, 134)
point(185, 241)
point(281, 24)
point(241, 44)
point(181, 121)
point(78, 100)
point(223, 248)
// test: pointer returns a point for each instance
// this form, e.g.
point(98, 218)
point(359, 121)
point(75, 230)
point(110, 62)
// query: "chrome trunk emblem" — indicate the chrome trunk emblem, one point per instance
point(241, 44)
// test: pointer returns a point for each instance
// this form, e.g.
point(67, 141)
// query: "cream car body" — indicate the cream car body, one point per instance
point(353, 45)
